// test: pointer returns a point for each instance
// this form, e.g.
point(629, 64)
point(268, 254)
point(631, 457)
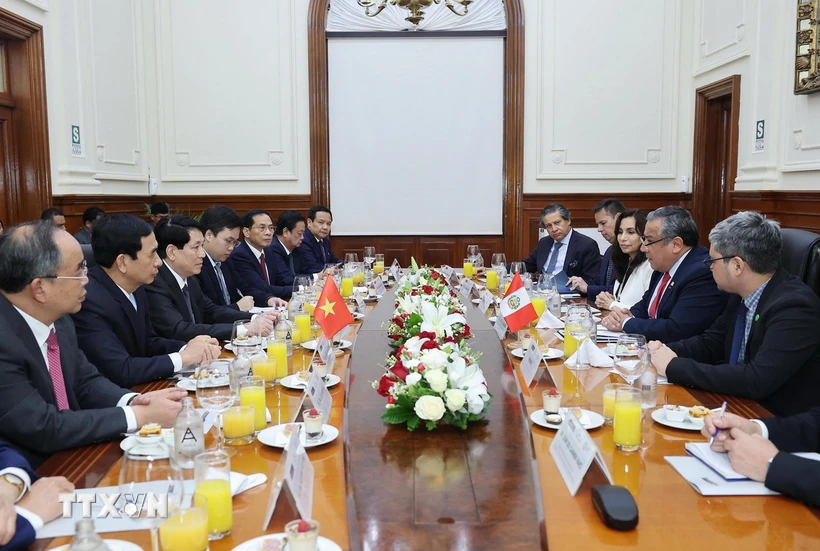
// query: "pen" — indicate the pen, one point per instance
point(722, 411)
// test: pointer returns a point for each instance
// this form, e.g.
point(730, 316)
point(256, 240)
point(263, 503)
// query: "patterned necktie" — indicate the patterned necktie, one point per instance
point(653, 308)
point(737, 353)
point(55, 369)
point(221, 278)
point(264, 268)
point(322, 248)
point(553, 258)
point(187, 296)
point(610, 272)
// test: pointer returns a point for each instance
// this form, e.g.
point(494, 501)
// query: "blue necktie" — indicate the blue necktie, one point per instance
point(740, 332)
point(610, 272)
point(553, 258)
point(187, 296)
point(322, 248)
point(220, 278)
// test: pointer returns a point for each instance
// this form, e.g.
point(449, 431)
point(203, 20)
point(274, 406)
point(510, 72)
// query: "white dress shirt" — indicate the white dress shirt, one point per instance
point(562, 254)
point(41, 332)
point(176, 359)
point(635, 288)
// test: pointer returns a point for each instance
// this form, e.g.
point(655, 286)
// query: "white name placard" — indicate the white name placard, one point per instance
point(486, 301)
point(380, 288)
point(500, 326)
point(319, 395)
point(574, 451)
point(529, 365)
point(467, 287)
point(299, 475)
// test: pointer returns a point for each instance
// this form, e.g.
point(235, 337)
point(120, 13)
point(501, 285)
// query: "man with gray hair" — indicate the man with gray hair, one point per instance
point(766, 345)
point(51, 397)
point(564, 250)
point(682, 300)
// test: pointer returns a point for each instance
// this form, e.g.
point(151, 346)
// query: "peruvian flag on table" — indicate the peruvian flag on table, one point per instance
point(516, 307)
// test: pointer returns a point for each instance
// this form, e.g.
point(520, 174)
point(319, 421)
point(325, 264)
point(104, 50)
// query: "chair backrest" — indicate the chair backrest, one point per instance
point(88, 254)
point(801, 256)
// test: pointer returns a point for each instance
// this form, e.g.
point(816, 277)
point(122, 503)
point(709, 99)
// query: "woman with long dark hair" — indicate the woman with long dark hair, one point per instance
point(632, 271)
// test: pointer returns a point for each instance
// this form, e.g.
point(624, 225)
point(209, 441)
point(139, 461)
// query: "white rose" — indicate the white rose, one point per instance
point(434, 358)
point(437, 379)
point(455, 399)
point(475, 400)
point(429, 408)
point(412, 379)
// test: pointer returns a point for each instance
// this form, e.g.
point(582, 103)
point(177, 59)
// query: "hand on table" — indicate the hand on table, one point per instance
point(159, 406)
point(245, 304)
point(604, 300)
point(729, 421)
point(749, 453)
point(616, 318)
point(42, 500)
point(276, 301)
point(576, 283)
point(200, 349)
point(661, 358)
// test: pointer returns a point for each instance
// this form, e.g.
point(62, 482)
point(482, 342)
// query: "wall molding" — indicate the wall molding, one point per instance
point(730, 50)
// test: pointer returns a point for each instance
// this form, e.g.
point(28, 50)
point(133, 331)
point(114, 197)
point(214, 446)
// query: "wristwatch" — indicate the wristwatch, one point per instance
point(15, 481)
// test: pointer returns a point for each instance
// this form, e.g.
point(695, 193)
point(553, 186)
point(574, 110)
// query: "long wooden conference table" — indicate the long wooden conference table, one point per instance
point(493, 486)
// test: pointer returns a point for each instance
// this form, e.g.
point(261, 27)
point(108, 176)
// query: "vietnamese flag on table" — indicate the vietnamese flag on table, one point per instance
point(331, 313)
point(516, 307)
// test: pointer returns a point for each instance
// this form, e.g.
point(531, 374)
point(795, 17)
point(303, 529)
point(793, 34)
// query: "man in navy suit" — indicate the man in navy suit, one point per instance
point(252, 261)
point(218, 279)
point(51, 397)
point(564, 250)
point(682, 300)
point(179, 309)
point(26, 500)
point(606, 214)
point(287, 262)
point(763, 450)
point(315, 249)
point(90, 215)
point(113, 327)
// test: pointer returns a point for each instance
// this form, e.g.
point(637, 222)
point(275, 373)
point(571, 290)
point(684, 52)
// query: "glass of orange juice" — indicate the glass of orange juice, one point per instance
point(626, 430)
point(212, 478)
point(187, 528)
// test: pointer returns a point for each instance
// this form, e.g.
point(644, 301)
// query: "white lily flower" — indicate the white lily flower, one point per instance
point(437, 319)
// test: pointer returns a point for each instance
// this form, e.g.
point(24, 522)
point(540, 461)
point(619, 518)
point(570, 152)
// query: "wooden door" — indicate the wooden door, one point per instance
point(8, 168)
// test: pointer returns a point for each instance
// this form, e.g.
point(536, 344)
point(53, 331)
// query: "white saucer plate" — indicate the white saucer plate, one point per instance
point(256, 544)
point(357, 316)
point(491, 319)
point(373, 299)
point(594, 420)
point(155, 451)
point(551, 354)
point(659, 416)
point(190, 384)
point(274, 436)
point(119, 545)
point(292, 382)
point(311, 345)
point(230, 347)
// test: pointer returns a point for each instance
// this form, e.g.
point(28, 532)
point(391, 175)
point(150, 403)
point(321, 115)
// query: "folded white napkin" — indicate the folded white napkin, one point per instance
point(591, 354)
point(549, 321)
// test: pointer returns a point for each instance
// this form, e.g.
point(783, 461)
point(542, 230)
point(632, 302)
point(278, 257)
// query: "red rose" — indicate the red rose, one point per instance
point(391, 400)
point(427, 335)
point(404, 316)
point(427, 289)
point(399, 323)
point(429, 345)
point(414, 292)
point(385, 384)
point(450, 339)
point(399, 371)
point(421, 368)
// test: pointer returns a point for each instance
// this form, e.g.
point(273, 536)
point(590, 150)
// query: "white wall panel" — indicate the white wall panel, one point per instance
point(608, 82)
point(227, 84)
point(117, 88)
point(721, 33)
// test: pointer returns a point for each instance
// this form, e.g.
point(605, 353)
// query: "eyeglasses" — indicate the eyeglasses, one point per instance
point(646, 243)
point(263, 229)
point(229, 242)
point(84, 276)
point(709, 261)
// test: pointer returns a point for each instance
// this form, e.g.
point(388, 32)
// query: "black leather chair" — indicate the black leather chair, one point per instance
point(801, 256)
point(88, 254)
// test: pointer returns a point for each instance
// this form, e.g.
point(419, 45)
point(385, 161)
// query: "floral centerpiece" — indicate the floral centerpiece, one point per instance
point(433, 377)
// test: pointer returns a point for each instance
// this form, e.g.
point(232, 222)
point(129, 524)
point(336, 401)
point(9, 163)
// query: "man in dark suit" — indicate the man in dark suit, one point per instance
point(287, 262)
point(178, 307)
point(766, 345)
point(564, 250)
point(27, 501)
point(113, 326)
point(606, 213)
point(762, 449)
point(90, 215)
point(252, 261)
point(55, 216)
point(315, 250)
point(51, 397)
point(682, 299)
point(218, 279)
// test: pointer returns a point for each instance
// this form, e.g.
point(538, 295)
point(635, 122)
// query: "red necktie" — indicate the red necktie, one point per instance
point(653, 308)
point(264, 268)
point(55, 369)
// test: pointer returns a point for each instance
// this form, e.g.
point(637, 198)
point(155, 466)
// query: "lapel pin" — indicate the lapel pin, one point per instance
point(671, 283)
point(757, 317)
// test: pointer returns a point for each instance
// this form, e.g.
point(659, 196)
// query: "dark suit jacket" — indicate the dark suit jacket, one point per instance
point(24, 534)
point(781, 367)
point(244, 263)
point(788, 474)
point(310, 253)
point(119, 340)
point(690, 304)
point(29, 418)
point(281, 262)
point(83, 236)
point(583, 257)
point(237, 287)
point(169, 313)
point(594, 290)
